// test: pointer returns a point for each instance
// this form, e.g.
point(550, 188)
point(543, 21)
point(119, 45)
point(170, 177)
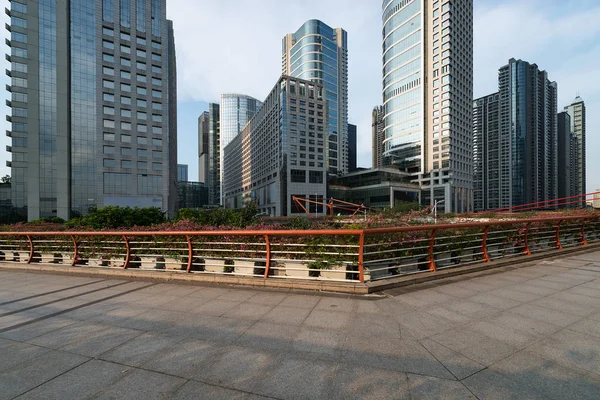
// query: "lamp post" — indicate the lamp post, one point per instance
point(435, 210)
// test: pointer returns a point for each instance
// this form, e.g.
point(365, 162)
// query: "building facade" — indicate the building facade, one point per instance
point(235, 112)
point(427, 96)
point(92, 106)
point(318, 53)
point(203, 141)
point(377, 137)
point(486, 154)
point(191, 195)
point(577, 112)
point(352, 148)
point(276, 158)
point(568, 152)
point(182, 173)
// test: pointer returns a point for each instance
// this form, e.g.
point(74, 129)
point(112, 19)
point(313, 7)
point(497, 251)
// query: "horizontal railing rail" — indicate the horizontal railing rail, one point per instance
point(340, 255)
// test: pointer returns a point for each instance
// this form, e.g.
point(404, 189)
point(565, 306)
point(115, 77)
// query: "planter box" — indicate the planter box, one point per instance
point(49, 258)
point(300, 270)
point(214, 265)
point(173, 264)
point(66, 258)
point(98, 262)
point(244, 267)
point(337, 272)
point(147, 262)
point(23, 256)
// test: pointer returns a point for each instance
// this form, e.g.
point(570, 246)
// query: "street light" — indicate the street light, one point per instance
point(435, 210)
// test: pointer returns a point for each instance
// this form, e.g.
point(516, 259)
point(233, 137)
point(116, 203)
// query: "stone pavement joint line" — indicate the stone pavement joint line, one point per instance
point(528, 331)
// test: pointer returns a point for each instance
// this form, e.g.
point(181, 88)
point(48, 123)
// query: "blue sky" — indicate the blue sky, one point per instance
point(235, 46)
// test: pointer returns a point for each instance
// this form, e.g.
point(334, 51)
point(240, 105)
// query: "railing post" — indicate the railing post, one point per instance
point(361, 257)
point(557, 236)
point(30, 249)
point(486, 256)
point(430, 252)
point(75, 251)
point(527, 250)
point(268, 256)
point(190, 254)
point(583, 240)
point(128, 254)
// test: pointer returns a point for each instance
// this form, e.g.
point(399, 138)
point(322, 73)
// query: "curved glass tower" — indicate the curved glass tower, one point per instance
point(319, 53)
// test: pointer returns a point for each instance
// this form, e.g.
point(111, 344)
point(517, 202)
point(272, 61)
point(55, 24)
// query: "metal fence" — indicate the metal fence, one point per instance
point(340, 255)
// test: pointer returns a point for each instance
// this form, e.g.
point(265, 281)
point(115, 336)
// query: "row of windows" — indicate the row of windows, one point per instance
point(140, 140)
point(112, 163)
point(109, 97)
point(107, 44)
point(127, 75)
point(126, 87)
point(126, 62)
point(127, 151)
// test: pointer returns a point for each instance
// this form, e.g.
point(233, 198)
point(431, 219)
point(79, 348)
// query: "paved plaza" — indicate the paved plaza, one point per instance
point(523, 332)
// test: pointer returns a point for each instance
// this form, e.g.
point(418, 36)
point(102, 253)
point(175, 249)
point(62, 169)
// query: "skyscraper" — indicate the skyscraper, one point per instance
point(577, 112)
point(319, 53)
point(182, 173)
point(235, 112)
point(378, 142)
point(213, 176)
point(567, 157)
point(93, 105)
point(203, 152)
point(351, 147)
point(515, 138)
point(427, 95)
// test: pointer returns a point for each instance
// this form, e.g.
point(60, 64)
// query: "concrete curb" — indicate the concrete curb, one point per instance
point(355, 288)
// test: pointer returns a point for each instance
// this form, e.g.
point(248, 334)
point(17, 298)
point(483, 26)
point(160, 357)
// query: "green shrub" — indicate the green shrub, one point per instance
point(114, 217)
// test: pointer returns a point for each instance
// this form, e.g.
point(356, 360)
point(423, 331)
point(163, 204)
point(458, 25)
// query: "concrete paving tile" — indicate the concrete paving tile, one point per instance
point(565, 306)
point(34, 372)
point(238, 368)
point(421, 325)
point(474, 345)
point(79, 383)
point(456, 291)
point(459, 365)
point(547, 377)
point(15, 353)
point(450, 315)
point(577, 298)
point(300, 301)
point(100, 342)
point(187, 359)
point(359, 382)
point(249, 311)
point(239, 295)
point(36, 329)
point(533, 289)
point(117, 315)
point(504, 334)
point(595, 317)
point(153, 320)
point(498, 302)
point(491, 385)
point(515, 295)
point(586, 291)
point(369, 325)
point(286, 315)
point(571, 349)
point(320, 343)
point(471, 309)
point(85, 313)
point(297, 378)
point(9, 321)
point(424, 298)
point(141, 349)
point(547, 315)
point(186, 305)
point(267, 336)
point(224, 330)
point(530, 326)
point(426, 387)
point(327, 319)
point(80, 331)
point(216, 307)
point(336, 304)
point(557, 286)
point(193, 390)
point(140, 384)
point(267, 298)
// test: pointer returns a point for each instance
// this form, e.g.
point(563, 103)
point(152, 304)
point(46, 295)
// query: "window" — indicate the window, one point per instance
point(142, 78)
point(142, 140)
point(126, 151)
point(140, 53)
point(108, 84)
point(126, 100)
point(109, 110)
point(109, 137)
point(157, 106)
point(156, 166)
point(108, 150)
point(142, 91)
point(108, 58)
point(156, 130)
point(126, 113)
point(126, 126)
point(125, 87)
point(315, 176)
point(156, 69)
point(125, 75)
point(157, 94)
point(141, 66)
point(157, 81)
point(126, 164)
point(142, 153)
point(125, 138)
point(16, 21)
point(125, 62)
point(142, 115)
point(18, 37)
point(18, 52)
point(125, 49)
point(108, 31)
point(108, 71)
point(157, 142)
point(19, 112)
point(16, 6)
point(140, 40)
point(141, 103)
point(156, 57)
point(125, 36)
point(298, 175)
point(109, 162)
point(142, 165)
point(108, 45)
point(107, 123)
point(156, 118)
point(142, 128)
point(16, 96)
point(156, 153)
point(18, 82)
point(155, 45)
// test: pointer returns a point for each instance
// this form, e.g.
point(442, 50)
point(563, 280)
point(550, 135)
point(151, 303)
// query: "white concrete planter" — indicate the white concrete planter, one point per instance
point(99, 262)
point(147, 262)
point(244, 267)
point(48, 258)
point(214, 265)
point(23, 256)
point(337, 272)
point(298, 270)
point(67, 258)
point(173, 264)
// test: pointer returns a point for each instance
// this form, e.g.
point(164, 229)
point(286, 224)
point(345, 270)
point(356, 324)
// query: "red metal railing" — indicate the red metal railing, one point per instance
point(343, 255)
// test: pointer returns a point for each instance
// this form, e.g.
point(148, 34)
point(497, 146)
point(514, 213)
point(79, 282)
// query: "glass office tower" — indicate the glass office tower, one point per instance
point(92, 106)
point(577, 112)
point(319, 53)
point(427, 93)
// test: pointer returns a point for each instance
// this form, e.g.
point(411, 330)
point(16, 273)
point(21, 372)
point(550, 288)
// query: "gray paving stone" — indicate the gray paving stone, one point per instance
point(459, 365)
point(422, 325)
point(36, 329)
point(498, 302)
point(216, 307)
point(426, 387)
point(197, 390)
point(238, 368)
point(79, 383)
point(586, 291)
point(15, 353)
point(286, 315)
point(237, 294)
point(440, 311)
point(549, 378)
point(140, 349)
point(34, 372)
point(516, 295)
point(491, 385)
point(547, 315)
point(565, 306)
point(327, 319)
point(474, 345)
point(249, 311)
point(297, 378)
point(268, 336)
point(187, 359)
point(318, 343)
point(359, 382)
point(336, 304)
point(300, 301)
point(504, 334)
point(267, 298)
point(456, 291)
point(369, 325)
point(140, 384)
point(527, 325)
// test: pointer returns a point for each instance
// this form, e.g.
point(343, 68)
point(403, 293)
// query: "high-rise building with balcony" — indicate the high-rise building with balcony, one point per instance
point(352, 147)
point(577, 112)
point(427, 96)
point(93, 105)
point(234, 113)
point(377, 139)
point(203, 141)
point(318, 53)
point(568, 152)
